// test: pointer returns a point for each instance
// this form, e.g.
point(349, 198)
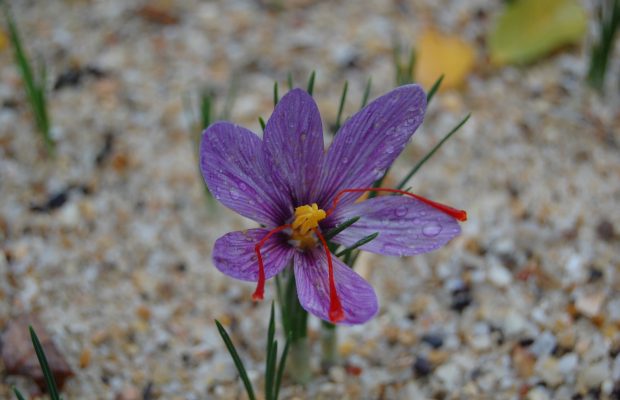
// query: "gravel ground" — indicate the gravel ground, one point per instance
point(109, 243)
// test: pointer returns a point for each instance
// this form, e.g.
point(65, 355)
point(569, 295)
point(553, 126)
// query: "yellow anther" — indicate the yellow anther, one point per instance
point(307, 218)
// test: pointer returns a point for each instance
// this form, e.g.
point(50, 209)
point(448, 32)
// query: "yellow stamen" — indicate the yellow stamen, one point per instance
point(307, 218)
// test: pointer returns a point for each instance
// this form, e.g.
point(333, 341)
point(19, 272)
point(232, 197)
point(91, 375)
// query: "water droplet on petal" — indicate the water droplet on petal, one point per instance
point(431, 229)
point(401, 211)
point(234, 194)
point(242, 186)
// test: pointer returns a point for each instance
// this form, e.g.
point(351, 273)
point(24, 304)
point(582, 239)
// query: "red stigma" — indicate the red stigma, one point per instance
point(260, 285)
point(336, 313)
point(460, 215)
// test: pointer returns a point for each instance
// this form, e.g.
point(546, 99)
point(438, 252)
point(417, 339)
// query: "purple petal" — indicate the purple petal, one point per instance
point(370, 141)
point(294, 146)
point(234, 254)
point(232, 164)
point(406, 226)
point(357, 297)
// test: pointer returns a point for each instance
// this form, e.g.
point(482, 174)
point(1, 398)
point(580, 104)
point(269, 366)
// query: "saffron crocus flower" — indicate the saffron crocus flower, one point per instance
point(297, 191)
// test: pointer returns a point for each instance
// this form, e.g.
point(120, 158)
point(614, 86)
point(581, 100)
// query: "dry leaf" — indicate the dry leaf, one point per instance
point(530, 29)
point(438, 54)
point(20, 358)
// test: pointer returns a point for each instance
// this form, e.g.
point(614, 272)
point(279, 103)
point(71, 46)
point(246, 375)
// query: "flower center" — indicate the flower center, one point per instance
point(306, 220)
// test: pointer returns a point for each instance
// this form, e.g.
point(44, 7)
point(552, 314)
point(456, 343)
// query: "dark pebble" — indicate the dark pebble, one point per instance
point(422, 367)
point(54, 202)
point(461, 299)
point(106, 150)
point(73, 76)
point(435, 340)
point(605, 230)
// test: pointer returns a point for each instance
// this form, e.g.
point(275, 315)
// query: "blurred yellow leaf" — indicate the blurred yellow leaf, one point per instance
point(4, 40)
point(529, 29)
point(438, 54)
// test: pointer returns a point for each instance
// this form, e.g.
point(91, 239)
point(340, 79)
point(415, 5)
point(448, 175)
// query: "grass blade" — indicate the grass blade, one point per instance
point(261, 121)
point(289, 80)
point(433, 151)
point(366, 93)
point(271, 357)
point(206, 109)
point(34, 88)
point(311, 83)
point(280, 373)
point(434, 89)
point(50, 382)
point(18, 394)
point(359, 243)
point(608, 18)
point(343, 98)
point(237, 360)
point(337, 229)
point(276, 96)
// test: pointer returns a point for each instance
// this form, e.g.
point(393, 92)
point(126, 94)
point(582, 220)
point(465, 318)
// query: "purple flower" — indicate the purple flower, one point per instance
point(290, 185)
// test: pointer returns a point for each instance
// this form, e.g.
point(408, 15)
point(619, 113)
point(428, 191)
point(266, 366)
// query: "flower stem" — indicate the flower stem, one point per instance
point(295, 323)
point(329, 345)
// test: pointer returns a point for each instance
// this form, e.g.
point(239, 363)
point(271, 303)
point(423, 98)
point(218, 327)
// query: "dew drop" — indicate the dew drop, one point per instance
point(389, 149)
point(345, 160)
point(401, 211)
point(431, 229)
point(234, 194)
point(242, 186)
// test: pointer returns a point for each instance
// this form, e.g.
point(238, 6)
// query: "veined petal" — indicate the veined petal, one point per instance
point(293, 142)
point(357, 297)
point(369, 142)
point(406, 226)
point(234, 254)
point(232, 164)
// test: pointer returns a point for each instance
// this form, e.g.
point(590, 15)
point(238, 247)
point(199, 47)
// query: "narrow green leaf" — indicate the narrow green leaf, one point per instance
point(359, 243)
point(337, 229)
point(270, 372)
point(284, 314)
point(311, 83)
point(206, 106)
point(343, 98)
point(34, 88)
point(434, 89)
point(410, 66)
point(366, 93)
point(237, 360)
point(276, 96)
point(271, 358)
point(430, 153)
point(18, 394)
point(261, 121)
point(289, 80)
point(50, 382)
point(608, 22)
point(281, 366)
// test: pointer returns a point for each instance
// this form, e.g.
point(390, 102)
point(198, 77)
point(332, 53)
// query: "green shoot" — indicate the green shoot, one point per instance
point(366, 93)
point(50, 382)
point(276, 96)
point(434, 89)
point(608, 16)
point(34, 85)
point(343, 99)
point(357, 244)
point(337, 229)
point(310, 89)
point(432, 152)
point(237, 360)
